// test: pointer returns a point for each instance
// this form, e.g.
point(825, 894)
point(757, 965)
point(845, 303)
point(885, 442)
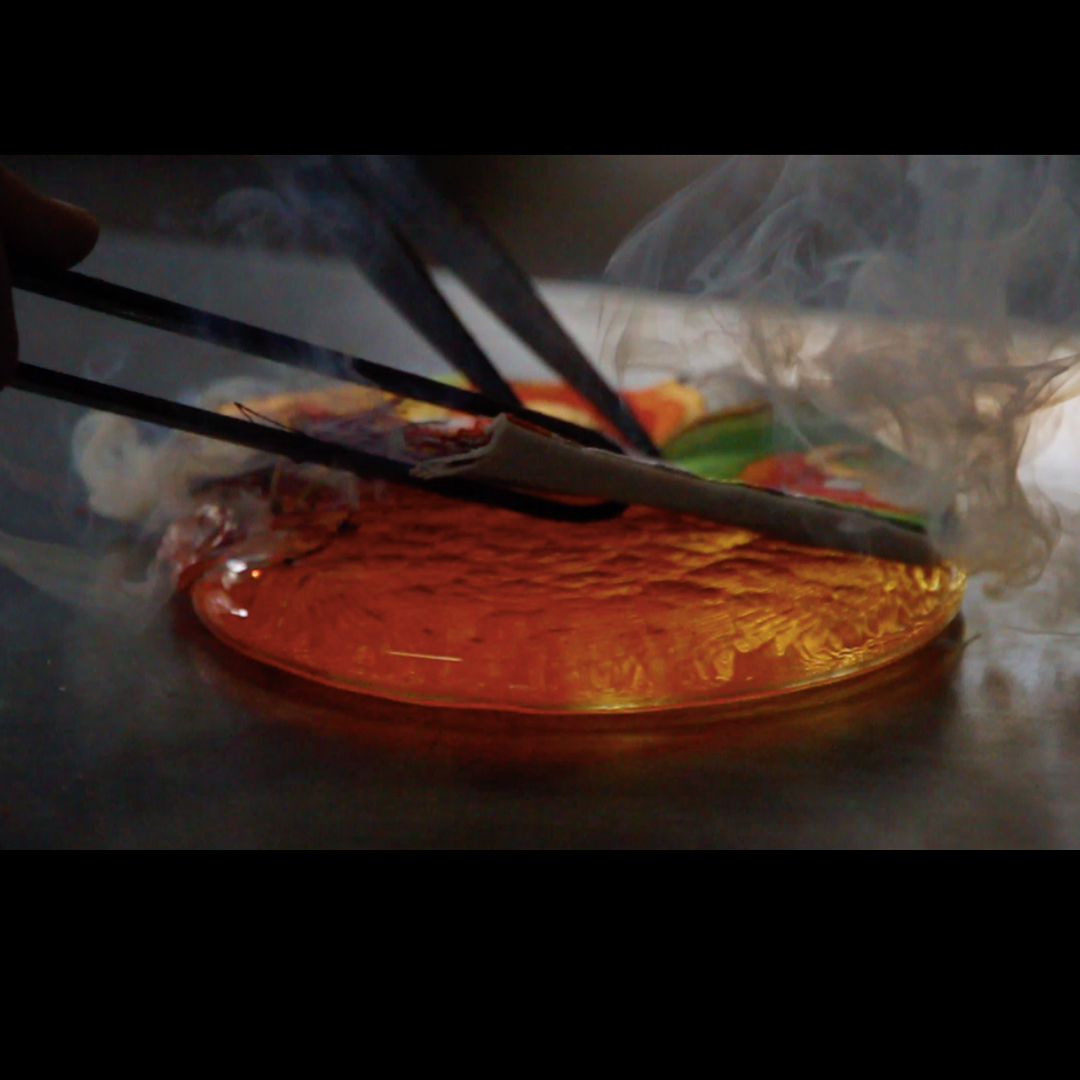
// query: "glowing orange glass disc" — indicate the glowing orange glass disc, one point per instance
point(425, 599)
point(439, 601)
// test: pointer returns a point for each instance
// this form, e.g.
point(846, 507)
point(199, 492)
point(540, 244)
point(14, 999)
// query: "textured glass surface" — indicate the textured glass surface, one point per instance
point(425, 599)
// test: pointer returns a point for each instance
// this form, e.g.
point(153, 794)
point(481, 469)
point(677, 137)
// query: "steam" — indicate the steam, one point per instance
point(255, 217)
point(932, 303)
point(101, 584)
point(148, 483)
point(133, 476)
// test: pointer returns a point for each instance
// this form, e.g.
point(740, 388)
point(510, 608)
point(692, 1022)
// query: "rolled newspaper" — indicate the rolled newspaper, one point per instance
point(518, 455)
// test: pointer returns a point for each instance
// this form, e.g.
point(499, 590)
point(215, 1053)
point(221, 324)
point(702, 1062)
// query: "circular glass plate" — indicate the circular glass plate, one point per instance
point(436, 601)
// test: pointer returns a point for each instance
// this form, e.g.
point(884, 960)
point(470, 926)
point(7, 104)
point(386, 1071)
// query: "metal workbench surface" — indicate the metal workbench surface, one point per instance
point(112, 736)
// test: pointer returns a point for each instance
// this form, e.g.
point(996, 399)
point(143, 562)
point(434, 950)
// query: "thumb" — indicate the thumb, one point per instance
point(39, 231)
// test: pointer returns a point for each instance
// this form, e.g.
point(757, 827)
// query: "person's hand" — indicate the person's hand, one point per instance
point(35, 231)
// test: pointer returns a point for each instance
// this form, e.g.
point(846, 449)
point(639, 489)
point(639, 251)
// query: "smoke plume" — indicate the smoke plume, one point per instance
point(930, 302)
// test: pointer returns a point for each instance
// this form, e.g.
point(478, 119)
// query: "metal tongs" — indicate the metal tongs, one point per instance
point(393, 212)
point(386, 215)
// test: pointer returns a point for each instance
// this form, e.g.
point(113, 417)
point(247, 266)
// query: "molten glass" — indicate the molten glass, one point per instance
point(421, 598)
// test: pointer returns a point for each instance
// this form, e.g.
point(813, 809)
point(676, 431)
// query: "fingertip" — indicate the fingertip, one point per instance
point(42, 231)
point(80, 233)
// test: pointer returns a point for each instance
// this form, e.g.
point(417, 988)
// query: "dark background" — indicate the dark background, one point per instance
point(561, 215)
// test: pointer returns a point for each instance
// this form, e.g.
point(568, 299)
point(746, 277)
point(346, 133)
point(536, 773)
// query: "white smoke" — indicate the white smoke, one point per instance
point(930, 302)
